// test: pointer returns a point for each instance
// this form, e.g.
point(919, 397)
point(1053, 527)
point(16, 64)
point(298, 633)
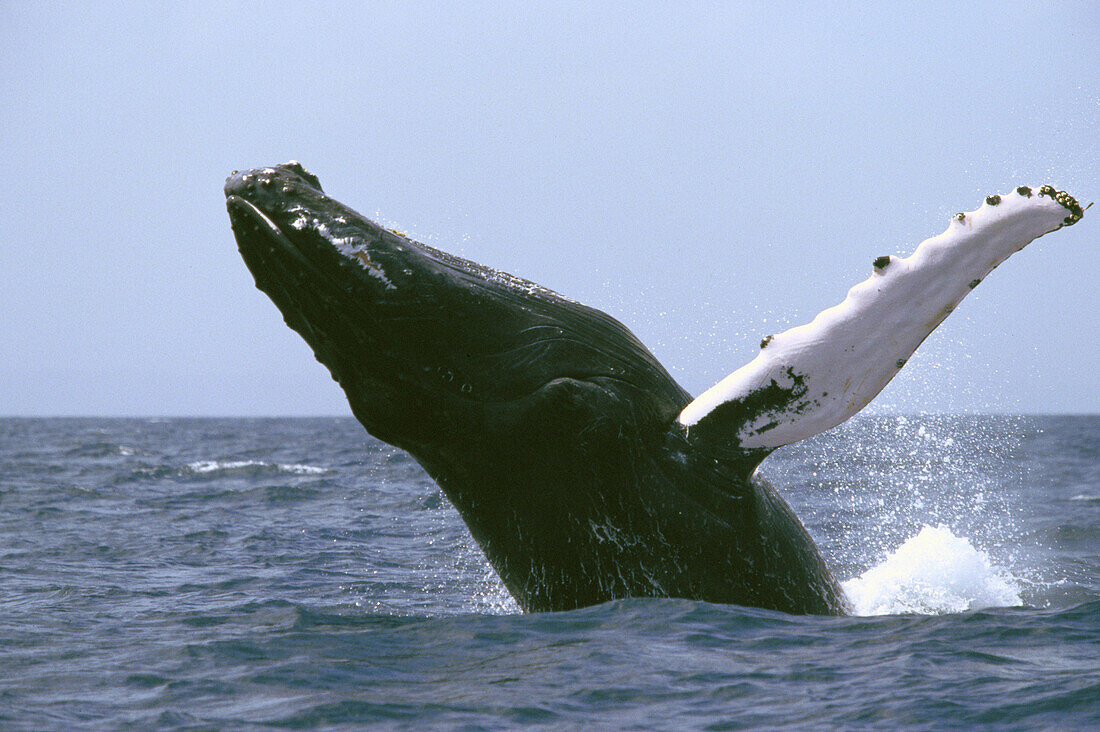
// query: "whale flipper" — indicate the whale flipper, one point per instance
point(813, 377)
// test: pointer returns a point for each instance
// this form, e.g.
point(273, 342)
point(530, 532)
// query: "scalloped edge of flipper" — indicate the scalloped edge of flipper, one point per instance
point(815, 376)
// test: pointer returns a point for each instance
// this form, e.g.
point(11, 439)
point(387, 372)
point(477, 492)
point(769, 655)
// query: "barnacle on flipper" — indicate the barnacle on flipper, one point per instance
point(1067, 201)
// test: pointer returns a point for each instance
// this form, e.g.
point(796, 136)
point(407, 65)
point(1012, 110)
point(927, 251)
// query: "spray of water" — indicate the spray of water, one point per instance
point(921, 512)
point(933, 572)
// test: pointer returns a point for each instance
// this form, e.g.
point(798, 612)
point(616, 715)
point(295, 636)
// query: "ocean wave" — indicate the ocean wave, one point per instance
point(102, 450)
point(251, 467)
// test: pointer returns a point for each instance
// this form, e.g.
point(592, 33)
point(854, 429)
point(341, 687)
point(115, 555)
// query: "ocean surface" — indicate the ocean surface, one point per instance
point(249, 573)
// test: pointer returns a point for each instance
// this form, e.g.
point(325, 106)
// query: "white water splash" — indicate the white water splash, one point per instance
point(934, 572)
point(210, 466)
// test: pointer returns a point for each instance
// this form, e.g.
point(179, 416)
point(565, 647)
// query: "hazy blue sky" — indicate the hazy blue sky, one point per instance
point(705, 173)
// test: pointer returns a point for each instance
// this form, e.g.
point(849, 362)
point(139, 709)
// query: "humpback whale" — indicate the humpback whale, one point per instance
point(582, 469)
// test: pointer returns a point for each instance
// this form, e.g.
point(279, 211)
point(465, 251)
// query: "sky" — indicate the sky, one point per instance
point(706, 173)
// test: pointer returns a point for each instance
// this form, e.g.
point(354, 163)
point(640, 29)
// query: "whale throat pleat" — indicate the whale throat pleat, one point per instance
point(813, 377)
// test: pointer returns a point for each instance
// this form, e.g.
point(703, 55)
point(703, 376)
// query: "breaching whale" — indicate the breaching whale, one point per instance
point(582, 469)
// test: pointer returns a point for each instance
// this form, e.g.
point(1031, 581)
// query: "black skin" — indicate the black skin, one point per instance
point(547, 424)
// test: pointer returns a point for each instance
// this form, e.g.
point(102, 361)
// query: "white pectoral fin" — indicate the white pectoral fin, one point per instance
point(815, 376)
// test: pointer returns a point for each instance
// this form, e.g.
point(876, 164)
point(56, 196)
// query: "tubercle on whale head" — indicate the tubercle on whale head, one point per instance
point(241, 182)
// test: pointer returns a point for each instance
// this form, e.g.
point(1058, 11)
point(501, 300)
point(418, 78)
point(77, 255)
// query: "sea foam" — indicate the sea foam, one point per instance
point(228, 466)
point(934, 572)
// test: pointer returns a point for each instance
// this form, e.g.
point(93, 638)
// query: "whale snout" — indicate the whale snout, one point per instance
point(274, 182)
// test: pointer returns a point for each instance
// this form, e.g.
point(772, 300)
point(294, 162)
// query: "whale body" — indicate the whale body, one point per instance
point(582, 469)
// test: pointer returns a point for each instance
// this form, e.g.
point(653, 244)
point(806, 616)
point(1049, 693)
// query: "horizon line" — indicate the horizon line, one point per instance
point(352, 417)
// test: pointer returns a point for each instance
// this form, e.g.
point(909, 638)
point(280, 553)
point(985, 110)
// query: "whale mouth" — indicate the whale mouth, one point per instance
point(299, 285)
point(243, 215)
point(281, 213)
point(300, 274)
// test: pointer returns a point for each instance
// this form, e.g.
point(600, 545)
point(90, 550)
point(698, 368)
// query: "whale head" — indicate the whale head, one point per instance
point(431, 349)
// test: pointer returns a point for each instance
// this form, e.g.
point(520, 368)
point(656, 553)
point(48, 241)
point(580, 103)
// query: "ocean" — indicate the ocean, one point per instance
point(297, 573)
